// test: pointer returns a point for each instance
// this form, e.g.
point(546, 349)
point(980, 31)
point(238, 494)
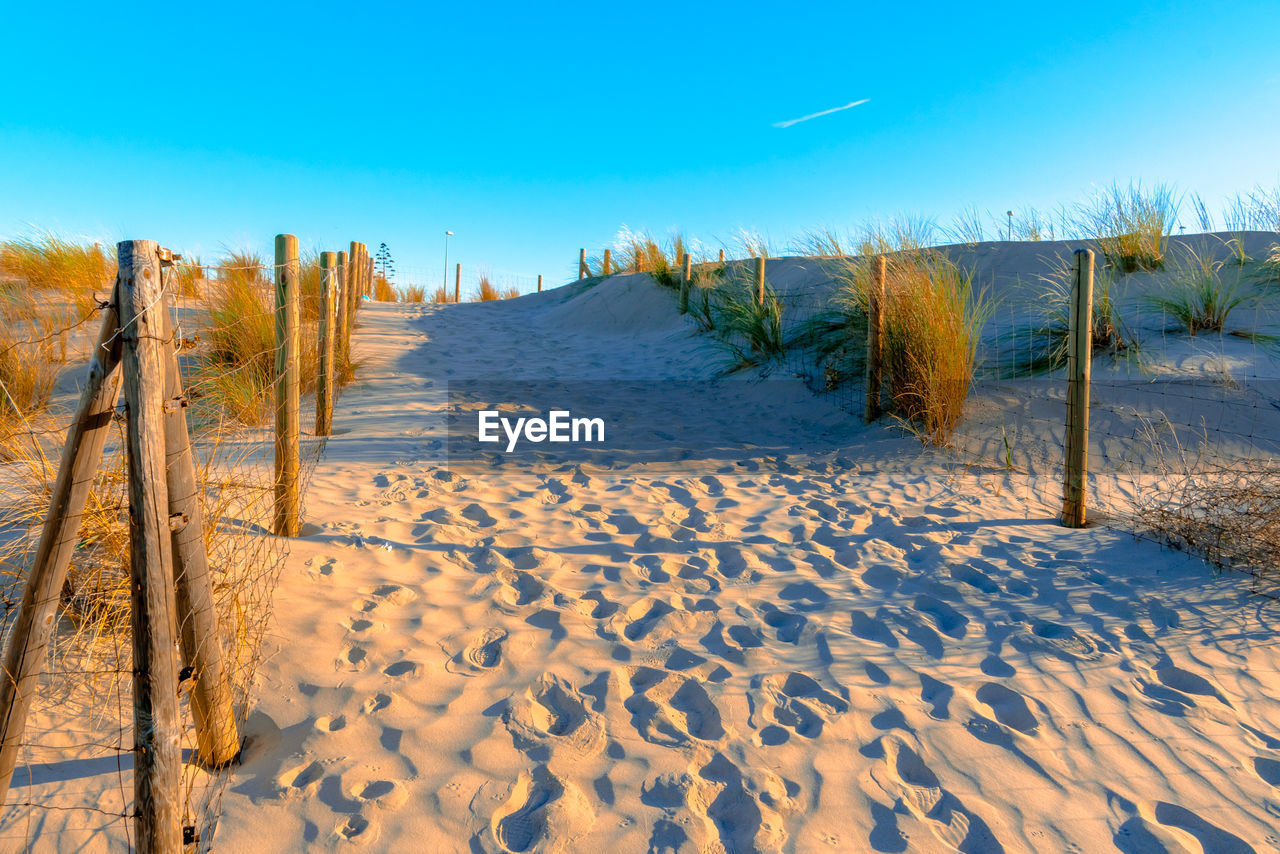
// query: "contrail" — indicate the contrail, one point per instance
point(791, 122)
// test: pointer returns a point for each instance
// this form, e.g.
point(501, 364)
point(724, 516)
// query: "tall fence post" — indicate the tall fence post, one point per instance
point(457, 283)
point(721, 256)
point(288, 272)
point(582, 264)
point(760, 280)
point(686, 283)
point(607, 267)
point(217, 736)
point(340, 305)
point(157, 758)
point(1079, 364)
point(353, 295)
point(875, 338)
point(81, 456)
point(539, 283)
point(324, 384)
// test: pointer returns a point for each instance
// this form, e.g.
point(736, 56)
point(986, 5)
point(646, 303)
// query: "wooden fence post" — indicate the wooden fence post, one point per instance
point(582, 264)
point(288, 271)
point(457, 283)
point(875, 337)
point(340, 304)
point(157, 760)
point(81, 456)
point(1079, 364)
point(353, 295)
point(721, 256)
point(217, 736)
point(324, 384)
point(607, 267)
point(539, 283)
point(760, 281)
point(686, 283)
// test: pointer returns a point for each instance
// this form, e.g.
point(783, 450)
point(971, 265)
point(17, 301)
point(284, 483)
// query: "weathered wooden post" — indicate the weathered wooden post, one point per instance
point(875, 337)
point(607, 268)
point(721, 256)
point(539, 283)
point(686, 283)
point(288, 271)
point(340, 321)
point(760, 281)
point(81, 456)
point(457, 283)
point(1079, 364)
point(324, 384)
point(157, 761)
point(582, 264)
point(217, 736)
point(353, 295)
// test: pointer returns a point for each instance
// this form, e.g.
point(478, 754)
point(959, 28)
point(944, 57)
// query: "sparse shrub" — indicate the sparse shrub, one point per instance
point(414, 293)
point(932, 322)
point(1130, 224)
point(1200, 299)
point(510, 293)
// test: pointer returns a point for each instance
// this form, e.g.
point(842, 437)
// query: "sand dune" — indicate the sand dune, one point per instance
point(827, 642)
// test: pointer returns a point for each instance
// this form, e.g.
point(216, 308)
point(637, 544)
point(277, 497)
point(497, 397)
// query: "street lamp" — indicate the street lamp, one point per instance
point(445, 283)
point(1010, 215)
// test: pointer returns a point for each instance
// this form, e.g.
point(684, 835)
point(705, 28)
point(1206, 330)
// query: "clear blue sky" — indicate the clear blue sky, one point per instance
point(533, 129)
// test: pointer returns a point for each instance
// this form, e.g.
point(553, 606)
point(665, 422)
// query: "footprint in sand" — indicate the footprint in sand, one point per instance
point(354, 658)
point(554, 710)
point(325, 570)
point(329, 723)
point(912, 782)
point(521, 822)
point(300, 777)
point(738, 814)
point(376, 703)
point(355, 828)
point(481, 650)
point(1009, 707)
point(384, 794)
point(798, 703)
point(519, 588)
point(668, 709)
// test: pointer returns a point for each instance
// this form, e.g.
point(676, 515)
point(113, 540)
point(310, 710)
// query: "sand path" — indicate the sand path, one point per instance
point(791, 652)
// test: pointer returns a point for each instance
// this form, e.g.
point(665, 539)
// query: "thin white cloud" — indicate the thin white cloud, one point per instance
point(789, 122)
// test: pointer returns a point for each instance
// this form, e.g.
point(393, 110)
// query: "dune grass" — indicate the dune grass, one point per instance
point(54, 264)
point(441, 296)
point(382, 289)
point(933, 317)
point(486, 292)
point(413, 293)
point(748, 327)
point(1045, 344)
point(1201, 298)
point(1130, 224)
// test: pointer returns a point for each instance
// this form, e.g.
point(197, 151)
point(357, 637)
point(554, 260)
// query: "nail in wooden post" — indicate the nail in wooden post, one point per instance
point(582, 264)
point(760, 280)
point(324, 385)
point(81, 456)
point(608, 263)
point(157, 760)
point(340, 322)
point(457, 283)
point(1079, 363)
point(288, 272)
point(539, 283)
point(217, 735)
point(875, 338)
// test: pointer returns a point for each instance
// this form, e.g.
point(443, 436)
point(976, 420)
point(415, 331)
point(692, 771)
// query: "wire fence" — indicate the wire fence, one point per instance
point(72, 787)
point(1184, 429)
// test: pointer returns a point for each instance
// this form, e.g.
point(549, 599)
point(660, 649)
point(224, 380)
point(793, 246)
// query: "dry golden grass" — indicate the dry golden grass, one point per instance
point(486, 292)
point(932, 322)
point(382, 289)
point(51, 263)
point(441, 296)
point(414, 293)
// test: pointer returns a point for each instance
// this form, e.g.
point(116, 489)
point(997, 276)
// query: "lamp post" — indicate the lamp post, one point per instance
point(1010, 215)
point(445, 282)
